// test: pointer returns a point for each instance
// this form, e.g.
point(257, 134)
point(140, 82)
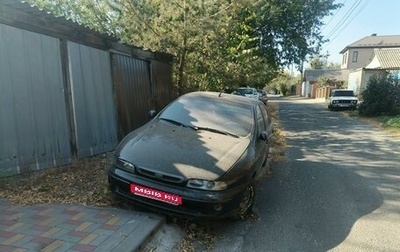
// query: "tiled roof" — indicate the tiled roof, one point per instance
point(388, 59)
point(374, 41)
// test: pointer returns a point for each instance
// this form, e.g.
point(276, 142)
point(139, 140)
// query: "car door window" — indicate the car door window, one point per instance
point(269, 126)
point(266, 116)
point(260, 121)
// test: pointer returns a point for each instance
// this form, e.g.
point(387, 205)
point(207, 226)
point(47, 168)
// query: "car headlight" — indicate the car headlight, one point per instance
point(125, 165)
point(354, 102)
point(207, 184)
point(334, 101)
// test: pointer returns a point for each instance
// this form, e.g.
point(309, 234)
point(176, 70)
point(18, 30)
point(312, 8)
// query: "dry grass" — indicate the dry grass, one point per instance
point(83, 182)
point(278, 140)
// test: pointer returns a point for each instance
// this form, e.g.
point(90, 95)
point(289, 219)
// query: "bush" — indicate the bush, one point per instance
point(393, 122)
point(381, 97)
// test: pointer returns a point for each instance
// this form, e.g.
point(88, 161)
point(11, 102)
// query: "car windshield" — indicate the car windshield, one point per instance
point(343, 93)
point(205, 113)
point(244, 91)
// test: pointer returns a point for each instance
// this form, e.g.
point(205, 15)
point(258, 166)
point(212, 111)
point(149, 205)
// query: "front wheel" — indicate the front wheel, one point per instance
point(246, 203)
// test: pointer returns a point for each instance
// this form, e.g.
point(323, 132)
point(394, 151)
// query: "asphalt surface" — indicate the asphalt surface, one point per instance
point(338, 188)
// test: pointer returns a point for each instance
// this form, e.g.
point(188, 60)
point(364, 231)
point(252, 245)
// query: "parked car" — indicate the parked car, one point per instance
point(342, 98)
point(263, 96)
point(247, 92)
point(197, 158)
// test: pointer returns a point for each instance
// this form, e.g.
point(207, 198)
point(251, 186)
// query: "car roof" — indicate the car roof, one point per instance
point(245, 88)
point(224, 96)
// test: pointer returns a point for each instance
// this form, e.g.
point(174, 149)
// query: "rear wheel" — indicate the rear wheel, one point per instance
point(246, 202)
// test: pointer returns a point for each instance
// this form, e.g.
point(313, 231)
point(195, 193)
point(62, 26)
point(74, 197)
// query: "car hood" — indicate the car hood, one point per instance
point(182, 152)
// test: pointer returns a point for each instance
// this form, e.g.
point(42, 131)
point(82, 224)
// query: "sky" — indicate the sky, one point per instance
point(356, 20)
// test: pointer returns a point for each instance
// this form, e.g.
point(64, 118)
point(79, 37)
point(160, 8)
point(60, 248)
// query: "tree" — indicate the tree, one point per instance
point(317, 63)
point(332, 65)
point(282, 83)
point(216, 43)
point(290, 29)
point(96, 14)
point(325, 81)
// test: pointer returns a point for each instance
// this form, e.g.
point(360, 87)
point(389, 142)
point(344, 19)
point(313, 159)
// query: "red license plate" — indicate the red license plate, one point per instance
point(156, 195)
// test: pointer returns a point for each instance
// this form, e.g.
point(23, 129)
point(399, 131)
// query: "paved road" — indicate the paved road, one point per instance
point(338, 188)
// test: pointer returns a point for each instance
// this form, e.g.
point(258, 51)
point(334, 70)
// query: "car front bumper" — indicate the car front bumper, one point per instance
point(195, 203)
point(343, 104)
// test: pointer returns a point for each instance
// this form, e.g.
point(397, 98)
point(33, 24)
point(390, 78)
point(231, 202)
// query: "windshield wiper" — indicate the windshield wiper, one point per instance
point(217, 131)
point(178, 123)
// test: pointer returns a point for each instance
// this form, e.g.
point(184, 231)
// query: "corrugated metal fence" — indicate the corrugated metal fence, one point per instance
point(59, 99)
point(33, 120)
point(92, 99)
point(133, 92)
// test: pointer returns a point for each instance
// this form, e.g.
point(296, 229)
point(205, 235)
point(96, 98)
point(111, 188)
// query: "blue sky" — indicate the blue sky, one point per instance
point(358, 19)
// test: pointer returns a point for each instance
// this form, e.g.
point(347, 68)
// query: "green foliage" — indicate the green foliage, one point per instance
point(320, 63)
point(96, 14)
point(317, 63)
point(217, 44)
point(282, 83)
point(325, 81)
point(290, 29)
point(393, 122)
point(332, 65)
point(381, 97)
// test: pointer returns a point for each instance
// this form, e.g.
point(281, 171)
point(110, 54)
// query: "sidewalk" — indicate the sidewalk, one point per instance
point(74, 228)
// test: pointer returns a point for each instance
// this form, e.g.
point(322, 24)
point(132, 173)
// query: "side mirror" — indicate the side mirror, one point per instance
point(152, 113)
point(264, 136)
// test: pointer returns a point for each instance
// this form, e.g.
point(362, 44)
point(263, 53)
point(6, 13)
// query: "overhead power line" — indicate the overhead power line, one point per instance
point(333, 16)
point(345, 26)
point(344, 19)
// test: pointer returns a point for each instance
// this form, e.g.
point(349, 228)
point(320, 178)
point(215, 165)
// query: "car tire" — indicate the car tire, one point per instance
point(246, 203)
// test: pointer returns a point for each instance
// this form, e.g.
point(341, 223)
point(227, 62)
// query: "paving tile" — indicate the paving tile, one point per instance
point(99, 239)
point(42, 240)
point(93, 227)
point(54, 246)
point(13, 239)
point(7, 234)
point(13, 227)
point(88, 239)
point(50, 233)
point(26, 239)
point(83, 248)
point(109, 227)
point(4, 248)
